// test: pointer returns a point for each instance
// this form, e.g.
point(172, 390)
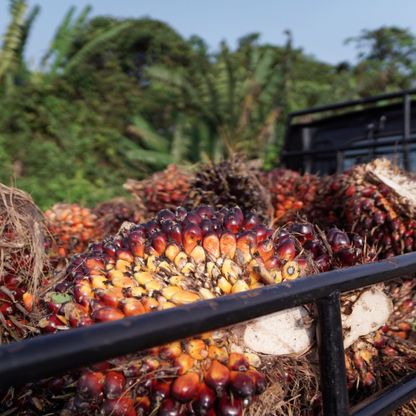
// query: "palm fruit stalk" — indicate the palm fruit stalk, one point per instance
point(291, 193)
point(72, 228)
point(233, 181)
point(375, 201)
point(163, 190)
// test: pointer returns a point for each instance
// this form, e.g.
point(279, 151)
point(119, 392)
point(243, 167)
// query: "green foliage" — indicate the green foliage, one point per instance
point(113, 99)
point(387, 60)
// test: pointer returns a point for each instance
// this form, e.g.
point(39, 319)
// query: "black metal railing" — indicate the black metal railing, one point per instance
point(49, 355)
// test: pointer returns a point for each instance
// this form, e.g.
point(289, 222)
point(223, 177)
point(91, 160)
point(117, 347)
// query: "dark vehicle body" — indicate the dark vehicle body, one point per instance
point(333, 138)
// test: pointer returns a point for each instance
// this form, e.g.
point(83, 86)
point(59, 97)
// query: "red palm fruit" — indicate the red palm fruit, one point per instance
point(229, 406)
point(205, 400)
point(286, 250)
point(238, 362)
point(262, 233)
point(259, 380)
point(114, 384)
point(314, 246)
point(175, 234)
point(160, 390)
point(90, 385)
point(83, 292)
point(122, 406)
point(242, 384)
point(217, 376)
point(184, 362)
point(251, 221)
point(132, 307)
point(136, 241)
point(228, 245)
point(110, 297)
point(206, 226)
point(205, 211)
point(165, 215)
point(6, 308)
point(159, 242)
point(194, 218)
point(107, 314)
point(303, 229)
point(50, 324)
point(151, 227)
point(185, 387)
point(169, 408)
point(323, 263)
point(233, 222)
point(170, 351)
point(192, 236)
point(347, 256)
point(338, 239)
point(266, 249)
point(246, 243)
point(211, 244)
point(350, 191)
point(94, 264)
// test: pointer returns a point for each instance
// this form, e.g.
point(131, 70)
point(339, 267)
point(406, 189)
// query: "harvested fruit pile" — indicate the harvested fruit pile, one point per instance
point(376, 201)
point(258, 229)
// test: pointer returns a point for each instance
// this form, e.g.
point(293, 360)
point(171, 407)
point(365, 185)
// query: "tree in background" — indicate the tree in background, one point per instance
point(387, 60)
point(117, 98)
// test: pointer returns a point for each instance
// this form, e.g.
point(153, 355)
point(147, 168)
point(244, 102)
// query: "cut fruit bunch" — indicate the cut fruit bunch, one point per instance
point(375, 201)
point(291, 192)
point(72, 228)
point(177, 258)
point(163, 190)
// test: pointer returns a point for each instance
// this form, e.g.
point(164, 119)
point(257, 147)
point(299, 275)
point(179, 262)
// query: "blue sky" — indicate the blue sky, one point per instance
point(318, 26)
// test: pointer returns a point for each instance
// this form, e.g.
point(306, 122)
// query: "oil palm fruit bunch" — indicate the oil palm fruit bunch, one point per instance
point(176, 258)
point(112, 214)
point(375, 201)
point(163, 190)
point(72, 228)
point(228, 183)
point(291, 193)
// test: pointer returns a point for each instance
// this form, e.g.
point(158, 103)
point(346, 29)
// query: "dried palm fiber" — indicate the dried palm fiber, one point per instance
point(163, 190)
point(234, 181)
point(375, 201)
point(22, 262)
